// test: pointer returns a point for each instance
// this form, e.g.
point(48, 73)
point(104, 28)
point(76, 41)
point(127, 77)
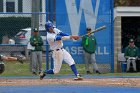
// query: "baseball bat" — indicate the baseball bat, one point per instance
point(97, 30)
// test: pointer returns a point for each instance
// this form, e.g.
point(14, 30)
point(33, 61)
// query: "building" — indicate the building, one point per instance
point(16, 6)
point(127, 25)
point(21, 8)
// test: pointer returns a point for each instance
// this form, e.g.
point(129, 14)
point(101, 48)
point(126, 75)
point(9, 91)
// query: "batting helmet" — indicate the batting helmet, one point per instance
point(48, 25)
point(2, 67)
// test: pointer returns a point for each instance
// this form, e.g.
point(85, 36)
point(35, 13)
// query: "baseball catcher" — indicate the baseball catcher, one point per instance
point(5, 58)
point(55, 39)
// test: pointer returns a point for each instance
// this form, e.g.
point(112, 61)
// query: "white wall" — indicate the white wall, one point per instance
point(27, 4)
point(42, 17)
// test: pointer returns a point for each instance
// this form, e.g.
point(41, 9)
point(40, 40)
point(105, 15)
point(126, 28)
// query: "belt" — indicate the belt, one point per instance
point(56, 49)
point(59, 49)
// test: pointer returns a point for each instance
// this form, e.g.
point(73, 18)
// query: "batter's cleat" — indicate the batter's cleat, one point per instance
point(42, 75)
point(78, 77)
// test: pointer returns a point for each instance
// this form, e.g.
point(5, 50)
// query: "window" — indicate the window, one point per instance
point(10, 6)
point(40, 5)
point(20, 6)
point(1, 5)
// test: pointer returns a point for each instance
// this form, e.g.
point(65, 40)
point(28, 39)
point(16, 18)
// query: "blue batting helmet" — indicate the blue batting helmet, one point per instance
point(48, 25)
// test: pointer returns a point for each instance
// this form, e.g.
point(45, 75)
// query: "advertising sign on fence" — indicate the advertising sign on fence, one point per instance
point(73, 16)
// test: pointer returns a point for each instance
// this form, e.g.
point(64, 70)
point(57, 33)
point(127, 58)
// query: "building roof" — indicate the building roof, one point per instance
point(126, 11)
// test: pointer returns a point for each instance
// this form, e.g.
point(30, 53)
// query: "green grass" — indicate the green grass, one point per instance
point(17, 69)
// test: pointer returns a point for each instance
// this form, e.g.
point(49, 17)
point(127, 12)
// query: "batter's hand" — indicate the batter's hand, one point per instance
point(75, 37)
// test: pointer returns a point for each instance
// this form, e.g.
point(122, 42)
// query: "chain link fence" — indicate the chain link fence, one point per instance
point(16, 18)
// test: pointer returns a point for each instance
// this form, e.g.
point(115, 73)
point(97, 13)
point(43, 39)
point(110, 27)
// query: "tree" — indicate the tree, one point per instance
point(127, 3)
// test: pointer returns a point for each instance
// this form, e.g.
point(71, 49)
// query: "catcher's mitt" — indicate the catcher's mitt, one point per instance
point(75, 37)
point(20, 59)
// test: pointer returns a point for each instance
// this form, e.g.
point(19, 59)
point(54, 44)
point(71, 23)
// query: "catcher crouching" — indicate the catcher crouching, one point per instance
point(5, 58)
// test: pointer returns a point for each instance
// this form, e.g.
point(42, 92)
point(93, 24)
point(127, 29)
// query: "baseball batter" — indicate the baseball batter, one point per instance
point(55, 39)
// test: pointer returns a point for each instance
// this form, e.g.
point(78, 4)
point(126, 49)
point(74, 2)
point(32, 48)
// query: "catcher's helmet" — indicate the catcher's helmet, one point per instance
point(2, 67)
point(48, 25)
